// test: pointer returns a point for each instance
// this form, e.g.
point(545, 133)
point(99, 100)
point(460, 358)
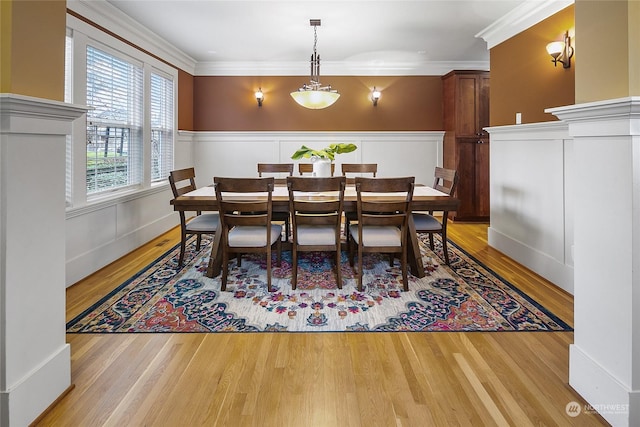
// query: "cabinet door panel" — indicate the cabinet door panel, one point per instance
point(466, 177)
point(483, 104)
point(466, 106)
point(482, 178)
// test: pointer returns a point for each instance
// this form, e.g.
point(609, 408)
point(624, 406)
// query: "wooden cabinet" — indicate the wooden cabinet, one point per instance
point(466, 144)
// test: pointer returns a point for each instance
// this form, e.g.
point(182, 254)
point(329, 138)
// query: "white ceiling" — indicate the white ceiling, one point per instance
point(380, 34)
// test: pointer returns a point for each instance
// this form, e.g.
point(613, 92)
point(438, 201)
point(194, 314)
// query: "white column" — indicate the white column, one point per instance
point(605, 357)
point(34, 356)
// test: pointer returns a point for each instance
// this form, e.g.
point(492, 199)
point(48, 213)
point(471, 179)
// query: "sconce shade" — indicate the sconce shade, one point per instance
point(555, 48)
point(561, 51)
point(259, 97)
point(315, 99)
point(375, 96)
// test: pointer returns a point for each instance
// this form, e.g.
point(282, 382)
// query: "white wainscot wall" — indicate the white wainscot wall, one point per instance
point(531, 198)
point(237, 153)
point(101, 232)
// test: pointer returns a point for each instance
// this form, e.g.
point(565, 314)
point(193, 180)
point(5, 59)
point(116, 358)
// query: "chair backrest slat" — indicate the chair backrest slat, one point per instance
point(275, 168)
point(237, 209)
point(446, 180)
point(371, 168)
point(177, 180)
point(316, 201)
point(384, 201)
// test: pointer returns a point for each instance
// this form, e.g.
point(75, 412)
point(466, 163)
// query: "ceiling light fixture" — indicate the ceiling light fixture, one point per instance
point(314, 95)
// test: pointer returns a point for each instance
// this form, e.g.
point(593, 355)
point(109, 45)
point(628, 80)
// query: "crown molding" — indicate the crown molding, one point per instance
point(336, 68)
point(521, 18)
point(114, 20)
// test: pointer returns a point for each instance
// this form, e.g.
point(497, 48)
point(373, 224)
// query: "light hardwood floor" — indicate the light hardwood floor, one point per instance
point(321, 379)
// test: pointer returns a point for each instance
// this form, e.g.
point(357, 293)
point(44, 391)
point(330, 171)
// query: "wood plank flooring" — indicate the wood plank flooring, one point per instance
point(321, 379)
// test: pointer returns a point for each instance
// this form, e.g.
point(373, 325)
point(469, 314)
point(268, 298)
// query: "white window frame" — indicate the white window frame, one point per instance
point(84, 34)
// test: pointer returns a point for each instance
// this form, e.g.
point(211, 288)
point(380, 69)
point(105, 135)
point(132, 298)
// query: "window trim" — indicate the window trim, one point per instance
point(82, 35)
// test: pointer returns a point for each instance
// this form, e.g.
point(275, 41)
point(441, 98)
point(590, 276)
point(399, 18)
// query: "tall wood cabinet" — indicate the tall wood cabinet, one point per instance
point(466, 144)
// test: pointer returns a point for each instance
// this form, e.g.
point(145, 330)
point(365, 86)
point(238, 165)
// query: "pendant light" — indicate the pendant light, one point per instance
point(313, 95)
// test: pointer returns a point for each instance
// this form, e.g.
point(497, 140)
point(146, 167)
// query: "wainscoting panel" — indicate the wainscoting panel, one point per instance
point(531, 198)
point(237, 153)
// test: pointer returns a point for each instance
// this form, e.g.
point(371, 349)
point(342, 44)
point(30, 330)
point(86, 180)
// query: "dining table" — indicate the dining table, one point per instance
point(424, 198)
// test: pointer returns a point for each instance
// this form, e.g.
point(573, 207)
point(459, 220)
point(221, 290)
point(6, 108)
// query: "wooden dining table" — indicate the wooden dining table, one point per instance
point(424, 199)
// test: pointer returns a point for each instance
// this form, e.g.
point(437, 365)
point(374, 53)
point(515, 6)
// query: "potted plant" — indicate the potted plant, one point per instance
point(321, 159)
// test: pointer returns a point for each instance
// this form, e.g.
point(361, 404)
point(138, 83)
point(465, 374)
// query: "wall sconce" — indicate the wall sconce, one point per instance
point(561, 51)
point(375, 95)
point(259, 97)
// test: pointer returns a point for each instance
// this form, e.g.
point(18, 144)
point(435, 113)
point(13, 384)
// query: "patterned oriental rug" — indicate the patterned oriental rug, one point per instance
point(464, 297)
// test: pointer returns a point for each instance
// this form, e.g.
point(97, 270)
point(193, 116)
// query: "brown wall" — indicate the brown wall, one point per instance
point(185, 100)
point(33, 38)
point(523, 78)
point(228, 104)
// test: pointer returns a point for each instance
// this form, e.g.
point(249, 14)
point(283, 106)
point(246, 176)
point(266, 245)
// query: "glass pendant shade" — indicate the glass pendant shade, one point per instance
point(315, 99)
point(314, 95)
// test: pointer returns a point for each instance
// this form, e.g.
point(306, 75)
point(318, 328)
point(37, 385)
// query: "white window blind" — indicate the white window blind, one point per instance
point(114, 123)
point(162, 126)
point(68, 97)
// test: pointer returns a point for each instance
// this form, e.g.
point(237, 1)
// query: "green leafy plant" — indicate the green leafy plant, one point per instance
point(326, 153)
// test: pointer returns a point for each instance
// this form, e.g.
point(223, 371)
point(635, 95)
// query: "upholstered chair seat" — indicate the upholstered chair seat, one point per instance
point(252, 236)
point(377, 235)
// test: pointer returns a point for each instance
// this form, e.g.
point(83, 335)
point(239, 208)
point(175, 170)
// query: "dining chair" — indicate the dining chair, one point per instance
point(359, 168)
point(308, 168)
point(316, 218)
point(349, 169)
point(446, 181)
point(247, 221)
point(183, 181)
point(276, 170)
point(382, 221)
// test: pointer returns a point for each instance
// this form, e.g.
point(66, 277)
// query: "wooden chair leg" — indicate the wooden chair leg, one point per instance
point(405, 277)
point(359, 272)
point(294, 269)
point(279, 254)
point(445, 250)
point(183, 247)
point(431, 240)
point(269, 270)
point(198, 241)
point(225, 271)
point(338, 269)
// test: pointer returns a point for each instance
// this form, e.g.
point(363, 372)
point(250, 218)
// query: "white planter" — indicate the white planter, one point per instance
point(322, 167)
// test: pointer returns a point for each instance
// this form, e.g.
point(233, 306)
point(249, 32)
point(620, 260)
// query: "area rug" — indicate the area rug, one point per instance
point(465, 296)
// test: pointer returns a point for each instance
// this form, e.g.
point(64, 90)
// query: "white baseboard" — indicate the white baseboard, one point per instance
point(544, 265)
point(603, 392)
point(28, 399)
point(98, 257)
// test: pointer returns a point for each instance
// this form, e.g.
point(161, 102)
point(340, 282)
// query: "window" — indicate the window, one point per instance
point(126, 143)
point(161, 127)
point(114, 123)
